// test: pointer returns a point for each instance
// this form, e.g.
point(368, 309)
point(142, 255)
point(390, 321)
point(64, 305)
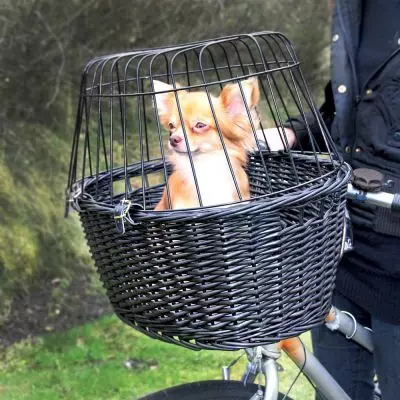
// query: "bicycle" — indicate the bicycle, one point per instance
point(366, 188)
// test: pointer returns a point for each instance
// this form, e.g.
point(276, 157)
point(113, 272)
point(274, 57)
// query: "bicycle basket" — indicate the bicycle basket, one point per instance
point(209, 273)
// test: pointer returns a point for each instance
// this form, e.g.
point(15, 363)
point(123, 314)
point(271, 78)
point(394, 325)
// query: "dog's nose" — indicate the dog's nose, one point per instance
point(174, 140)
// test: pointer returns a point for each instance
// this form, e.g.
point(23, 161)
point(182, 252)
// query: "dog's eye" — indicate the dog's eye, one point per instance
point(200, 125)
point(171, 126)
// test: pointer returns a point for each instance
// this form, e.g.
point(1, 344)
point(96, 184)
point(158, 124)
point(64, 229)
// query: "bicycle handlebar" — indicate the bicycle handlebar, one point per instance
point(380, 199)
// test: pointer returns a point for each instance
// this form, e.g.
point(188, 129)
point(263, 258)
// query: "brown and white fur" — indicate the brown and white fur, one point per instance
point(212, 170)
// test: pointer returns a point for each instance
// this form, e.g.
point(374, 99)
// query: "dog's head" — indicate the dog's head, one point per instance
point(196, 124)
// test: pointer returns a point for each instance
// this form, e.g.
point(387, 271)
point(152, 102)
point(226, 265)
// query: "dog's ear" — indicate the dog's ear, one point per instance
point(164, 98)
point(232, 98)
point(236, 123)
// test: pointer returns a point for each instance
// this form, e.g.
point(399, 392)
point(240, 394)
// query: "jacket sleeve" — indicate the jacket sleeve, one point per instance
point(307, 127)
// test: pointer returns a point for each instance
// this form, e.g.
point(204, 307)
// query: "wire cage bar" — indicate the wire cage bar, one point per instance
point(251, 258)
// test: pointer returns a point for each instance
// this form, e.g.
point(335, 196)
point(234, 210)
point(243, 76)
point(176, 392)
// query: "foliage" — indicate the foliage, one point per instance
point(88, 362)
point(45, 43)
point(37, 245)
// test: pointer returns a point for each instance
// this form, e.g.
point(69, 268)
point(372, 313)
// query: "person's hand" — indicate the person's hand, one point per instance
point(276, 139)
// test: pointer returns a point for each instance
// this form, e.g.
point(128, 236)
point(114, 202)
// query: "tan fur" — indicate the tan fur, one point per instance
point(205, 145)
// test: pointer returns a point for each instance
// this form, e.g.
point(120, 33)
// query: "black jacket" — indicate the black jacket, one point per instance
point(365, 125)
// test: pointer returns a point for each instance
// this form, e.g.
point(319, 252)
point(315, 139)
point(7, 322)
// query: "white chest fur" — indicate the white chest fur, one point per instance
point(214, 177)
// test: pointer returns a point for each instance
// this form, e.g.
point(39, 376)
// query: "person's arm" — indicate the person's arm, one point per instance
point(275, 138)
point(299, 131)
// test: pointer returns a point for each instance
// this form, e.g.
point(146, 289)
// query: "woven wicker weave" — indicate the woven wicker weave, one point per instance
point(220, 277)
point(246, 275)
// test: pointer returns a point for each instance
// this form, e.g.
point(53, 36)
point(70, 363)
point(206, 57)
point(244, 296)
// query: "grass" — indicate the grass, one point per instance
point(87, 362)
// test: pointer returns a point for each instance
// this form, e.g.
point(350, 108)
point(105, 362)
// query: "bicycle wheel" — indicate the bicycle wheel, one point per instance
point(208, 390)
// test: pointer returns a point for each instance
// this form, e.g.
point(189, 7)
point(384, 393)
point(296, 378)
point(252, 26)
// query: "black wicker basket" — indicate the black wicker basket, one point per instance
point(218, 277)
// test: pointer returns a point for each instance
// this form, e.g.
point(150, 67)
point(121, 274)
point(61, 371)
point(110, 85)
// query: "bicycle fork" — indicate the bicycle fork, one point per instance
point(263, 360)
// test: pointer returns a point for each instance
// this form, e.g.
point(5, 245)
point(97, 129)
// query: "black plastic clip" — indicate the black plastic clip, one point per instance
point(120, 213)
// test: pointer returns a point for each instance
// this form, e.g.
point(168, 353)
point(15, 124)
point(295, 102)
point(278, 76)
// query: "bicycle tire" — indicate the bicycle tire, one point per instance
point(208, 390)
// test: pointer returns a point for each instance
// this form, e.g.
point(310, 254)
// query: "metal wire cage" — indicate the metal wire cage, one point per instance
point(249, 255)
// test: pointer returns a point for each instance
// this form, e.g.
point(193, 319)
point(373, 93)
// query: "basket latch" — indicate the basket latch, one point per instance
point(120, 213)
point(71, 194)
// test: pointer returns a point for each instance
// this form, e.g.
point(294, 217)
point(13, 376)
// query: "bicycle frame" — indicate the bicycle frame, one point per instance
point(266, 357)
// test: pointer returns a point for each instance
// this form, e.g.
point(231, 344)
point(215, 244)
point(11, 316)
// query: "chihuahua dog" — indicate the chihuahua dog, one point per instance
point(202, 140)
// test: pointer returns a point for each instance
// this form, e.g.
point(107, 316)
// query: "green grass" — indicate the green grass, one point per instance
point(87, 362)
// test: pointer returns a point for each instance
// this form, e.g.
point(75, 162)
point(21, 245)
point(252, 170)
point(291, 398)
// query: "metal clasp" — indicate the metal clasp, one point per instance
point(120, 213)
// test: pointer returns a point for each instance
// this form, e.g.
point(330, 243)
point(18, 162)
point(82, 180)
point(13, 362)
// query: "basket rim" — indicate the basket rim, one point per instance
point(80, 200)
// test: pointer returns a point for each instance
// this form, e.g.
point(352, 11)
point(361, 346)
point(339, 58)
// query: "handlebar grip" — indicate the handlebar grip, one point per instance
point(395, 208)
